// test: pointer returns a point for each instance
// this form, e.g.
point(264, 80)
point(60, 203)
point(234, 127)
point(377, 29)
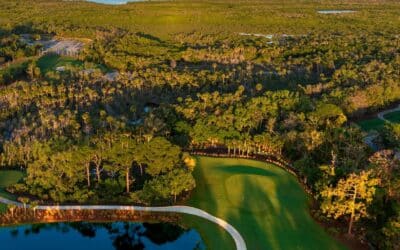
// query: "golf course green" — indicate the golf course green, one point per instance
point(262, 201)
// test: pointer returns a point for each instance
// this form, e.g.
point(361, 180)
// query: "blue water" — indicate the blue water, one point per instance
point(115, 2)
point(99, 236)
point(335, 11)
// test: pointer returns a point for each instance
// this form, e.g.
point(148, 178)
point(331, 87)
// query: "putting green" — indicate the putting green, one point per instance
point(263, 202)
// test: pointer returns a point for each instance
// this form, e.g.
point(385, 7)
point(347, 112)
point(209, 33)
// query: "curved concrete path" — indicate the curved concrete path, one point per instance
point(239, 241)
point(369, 140)
point(370, 137)
point(381, 115)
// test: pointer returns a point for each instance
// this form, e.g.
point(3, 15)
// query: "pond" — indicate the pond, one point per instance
point(327, 12)
point(115, 2)
point(100, 236)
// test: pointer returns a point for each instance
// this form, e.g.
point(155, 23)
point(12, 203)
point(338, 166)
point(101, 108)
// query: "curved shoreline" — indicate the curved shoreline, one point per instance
point(237, 237)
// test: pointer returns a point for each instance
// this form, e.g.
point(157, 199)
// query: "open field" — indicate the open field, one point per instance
point(166, 18)
point(50, 62)
point(263, 202)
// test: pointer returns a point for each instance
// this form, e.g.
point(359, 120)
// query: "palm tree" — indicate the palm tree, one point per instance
point(24, 200)
point(34, 206)
point(11, 208)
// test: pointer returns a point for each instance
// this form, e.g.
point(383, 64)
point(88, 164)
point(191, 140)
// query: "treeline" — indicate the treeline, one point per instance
point(13, 47)
point(342, 68)
point(110, 168)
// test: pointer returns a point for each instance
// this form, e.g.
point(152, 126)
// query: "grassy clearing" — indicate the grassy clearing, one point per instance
point(7, 178)
point(263, 202)
point(393, 117)
point(371, 124)
point(51, 61)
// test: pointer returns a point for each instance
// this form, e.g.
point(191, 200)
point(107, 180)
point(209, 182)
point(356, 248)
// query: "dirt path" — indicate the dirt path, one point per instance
point(239, 241)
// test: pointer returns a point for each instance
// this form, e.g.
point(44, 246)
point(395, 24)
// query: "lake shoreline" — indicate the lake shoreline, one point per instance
point(21, 217)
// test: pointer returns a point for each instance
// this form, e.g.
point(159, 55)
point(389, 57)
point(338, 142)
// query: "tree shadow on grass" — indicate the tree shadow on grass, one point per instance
point(252, 225)
point(248, 170)
point(267, 207)
point(277, 218)
point(213, 235)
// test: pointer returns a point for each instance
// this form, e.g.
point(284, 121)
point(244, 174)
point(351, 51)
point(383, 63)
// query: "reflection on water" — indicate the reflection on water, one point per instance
point(99, 236)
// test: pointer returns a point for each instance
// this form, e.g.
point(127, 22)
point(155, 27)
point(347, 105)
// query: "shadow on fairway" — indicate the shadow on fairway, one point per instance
point(213, 235)
point(248, 170)
point(264, 203)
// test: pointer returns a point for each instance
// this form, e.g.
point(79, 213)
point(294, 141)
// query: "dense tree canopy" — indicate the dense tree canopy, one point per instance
point(113, 122)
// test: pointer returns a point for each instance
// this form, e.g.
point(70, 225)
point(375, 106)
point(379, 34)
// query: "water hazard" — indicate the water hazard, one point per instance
point(100, 236)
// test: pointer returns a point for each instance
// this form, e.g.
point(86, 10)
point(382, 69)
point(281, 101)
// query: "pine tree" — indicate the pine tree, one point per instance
point(350, 197)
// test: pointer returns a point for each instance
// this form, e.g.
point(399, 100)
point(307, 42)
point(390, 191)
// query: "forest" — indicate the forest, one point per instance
point(293, 93)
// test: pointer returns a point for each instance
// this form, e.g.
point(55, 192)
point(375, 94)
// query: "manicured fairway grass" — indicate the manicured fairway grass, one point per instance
point(7, 178)
point(393, 117)
point(263, 202)
point(371, 124)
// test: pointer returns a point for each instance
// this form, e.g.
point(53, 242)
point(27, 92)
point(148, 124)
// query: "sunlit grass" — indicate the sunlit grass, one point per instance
point(263, 202)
